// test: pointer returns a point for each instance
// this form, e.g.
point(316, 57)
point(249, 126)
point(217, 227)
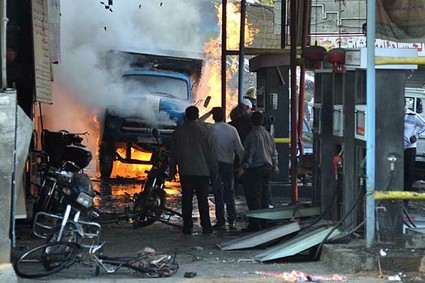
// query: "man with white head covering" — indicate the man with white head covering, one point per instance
point(240, 117)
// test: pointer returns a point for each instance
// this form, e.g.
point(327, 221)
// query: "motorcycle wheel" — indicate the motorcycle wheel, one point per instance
point(150, 213)
point(106, 160)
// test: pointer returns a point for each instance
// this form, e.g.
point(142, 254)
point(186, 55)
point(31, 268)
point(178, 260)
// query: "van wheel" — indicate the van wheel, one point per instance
point(106, 160)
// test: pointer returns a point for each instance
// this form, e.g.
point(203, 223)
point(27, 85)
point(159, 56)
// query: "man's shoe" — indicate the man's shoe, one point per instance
point(219, 226)
point(207, 230)
point(187, 231)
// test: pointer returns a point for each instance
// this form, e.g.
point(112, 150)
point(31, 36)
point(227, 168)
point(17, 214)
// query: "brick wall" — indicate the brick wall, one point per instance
point(261, 18)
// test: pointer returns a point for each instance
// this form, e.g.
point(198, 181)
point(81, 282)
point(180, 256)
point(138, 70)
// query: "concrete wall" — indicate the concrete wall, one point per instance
point(7, 140)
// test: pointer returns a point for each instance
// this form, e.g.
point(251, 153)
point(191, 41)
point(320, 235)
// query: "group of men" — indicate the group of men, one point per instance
point(213, 153)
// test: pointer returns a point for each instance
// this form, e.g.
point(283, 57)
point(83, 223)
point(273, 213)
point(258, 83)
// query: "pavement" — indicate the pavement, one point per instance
point(198, 253)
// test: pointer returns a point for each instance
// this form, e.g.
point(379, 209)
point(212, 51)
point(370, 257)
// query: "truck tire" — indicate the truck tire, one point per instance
point(106, 160)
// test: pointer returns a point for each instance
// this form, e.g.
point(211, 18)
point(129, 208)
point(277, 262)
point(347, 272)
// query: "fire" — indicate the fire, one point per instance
point(211, 79)
point(126, 170)
point(75, 118)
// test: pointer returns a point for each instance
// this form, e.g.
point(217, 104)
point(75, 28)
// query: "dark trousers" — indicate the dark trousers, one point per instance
point(409, 166)
point(195, 185)
point(224, 193)
point(256, 183)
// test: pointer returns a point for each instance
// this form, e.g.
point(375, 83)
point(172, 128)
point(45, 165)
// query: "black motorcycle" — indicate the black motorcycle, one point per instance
point(150, 204)
point(62, 180)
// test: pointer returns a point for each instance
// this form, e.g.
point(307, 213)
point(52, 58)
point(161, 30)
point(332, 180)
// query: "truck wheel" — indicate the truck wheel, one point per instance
point(106, 160)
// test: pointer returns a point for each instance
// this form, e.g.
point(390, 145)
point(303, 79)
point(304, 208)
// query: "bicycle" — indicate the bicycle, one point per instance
point(54, 257)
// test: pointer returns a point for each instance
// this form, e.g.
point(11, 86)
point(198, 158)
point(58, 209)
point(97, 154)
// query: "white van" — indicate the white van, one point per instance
point(415, 98)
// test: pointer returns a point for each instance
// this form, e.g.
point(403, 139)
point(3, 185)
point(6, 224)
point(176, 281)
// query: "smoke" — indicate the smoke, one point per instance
point(83, 87)
point(89, 31)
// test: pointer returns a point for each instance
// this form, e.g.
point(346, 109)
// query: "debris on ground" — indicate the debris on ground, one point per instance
point(249, 260)
point(298, 276)
point(189, 274)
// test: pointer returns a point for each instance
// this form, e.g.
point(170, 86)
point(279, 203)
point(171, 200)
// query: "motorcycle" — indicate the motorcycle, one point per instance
point(62, 181)
point(149, 205)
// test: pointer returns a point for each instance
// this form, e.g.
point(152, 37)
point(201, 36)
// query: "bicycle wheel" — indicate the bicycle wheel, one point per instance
point(46, 259)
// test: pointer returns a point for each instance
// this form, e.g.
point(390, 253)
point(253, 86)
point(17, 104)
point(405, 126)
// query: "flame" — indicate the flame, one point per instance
point(212, 66)
point(127, 170)
point(69, 114)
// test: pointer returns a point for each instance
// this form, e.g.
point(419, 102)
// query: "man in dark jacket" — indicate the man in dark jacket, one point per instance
point(240, 118)
point(193, 151)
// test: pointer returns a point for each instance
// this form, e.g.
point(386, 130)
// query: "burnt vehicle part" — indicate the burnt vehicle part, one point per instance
point(158, 89)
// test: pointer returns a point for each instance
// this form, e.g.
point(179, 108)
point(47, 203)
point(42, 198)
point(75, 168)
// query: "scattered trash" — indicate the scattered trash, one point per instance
point(394, 278)
point(298, 276)
point(198, 248)
point(189, 274)
point(146, 252)
point(382, 253)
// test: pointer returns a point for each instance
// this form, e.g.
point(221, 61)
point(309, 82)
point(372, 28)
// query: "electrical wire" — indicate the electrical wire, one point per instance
point(320, 217)
point(406, 213)
point(349, 233)
point(319, 248)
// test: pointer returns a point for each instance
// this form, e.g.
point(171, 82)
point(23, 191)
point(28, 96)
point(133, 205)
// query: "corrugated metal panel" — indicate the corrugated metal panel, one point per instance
point(296, 245)
point(259, 238)
point(283, 213)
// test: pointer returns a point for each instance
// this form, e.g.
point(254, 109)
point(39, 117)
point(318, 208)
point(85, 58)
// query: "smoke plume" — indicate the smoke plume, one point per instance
point(83, 87)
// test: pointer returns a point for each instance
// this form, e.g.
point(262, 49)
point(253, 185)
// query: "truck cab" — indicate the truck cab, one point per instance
point(156, 93)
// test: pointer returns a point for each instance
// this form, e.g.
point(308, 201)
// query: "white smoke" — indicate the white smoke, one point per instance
point(88, 31)
point(83, 87)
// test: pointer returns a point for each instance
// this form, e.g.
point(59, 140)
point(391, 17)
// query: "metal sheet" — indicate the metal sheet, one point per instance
point(296, 245)
point(283, 213)
point(258, 238)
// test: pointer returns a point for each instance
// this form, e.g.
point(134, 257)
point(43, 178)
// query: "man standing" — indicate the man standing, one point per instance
point(240, 118)
point(259, 161)
point(193, 151)
point(414, 126)
point(227, 143)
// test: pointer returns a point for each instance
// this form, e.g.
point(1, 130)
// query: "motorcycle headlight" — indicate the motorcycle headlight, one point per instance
point(85, 200)
point(81, 184)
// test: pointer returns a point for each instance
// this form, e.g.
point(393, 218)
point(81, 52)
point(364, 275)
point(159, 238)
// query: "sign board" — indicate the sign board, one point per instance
point(42, 67)
point(54, 28)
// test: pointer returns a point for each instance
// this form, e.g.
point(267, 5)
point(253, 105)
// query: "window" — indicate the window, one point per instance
point(156, 85)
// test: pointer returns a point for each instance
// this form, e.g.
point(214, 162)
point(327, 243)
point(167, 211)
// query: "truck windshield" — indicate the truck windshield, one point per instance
point(157, 85)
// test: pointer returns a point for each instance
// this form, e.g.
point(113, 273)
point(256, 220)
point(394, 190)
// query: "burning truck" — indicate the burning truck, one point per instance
point(156, 91)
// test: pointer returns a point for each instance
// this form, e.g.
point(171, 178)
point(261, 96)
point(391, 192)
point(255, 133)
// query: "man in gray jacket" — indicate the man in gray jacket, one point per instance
point(193, 151)
point(227, 144)
point(259, 162)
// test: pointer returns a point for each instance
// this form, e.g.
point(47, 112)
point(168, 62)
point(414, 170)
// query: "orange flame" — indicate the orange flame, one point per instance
point(127, 170)
point(212, 49)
